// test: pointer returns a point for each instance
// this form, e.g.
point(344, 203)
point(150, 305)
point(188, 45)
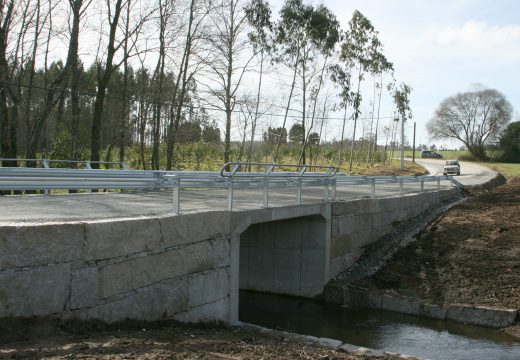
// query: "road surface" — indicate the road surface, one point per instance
point(91, 206)
point(470, 173)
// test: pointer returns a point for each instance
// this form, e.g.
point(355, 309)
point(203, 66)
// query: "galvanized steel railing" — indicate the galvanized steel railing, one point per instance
point(230, 178)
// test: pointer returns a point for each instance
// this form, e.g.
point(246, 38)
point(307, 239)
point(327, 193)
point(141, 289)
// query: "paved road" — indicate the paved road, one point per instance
point(470, 173)
point(90, 206)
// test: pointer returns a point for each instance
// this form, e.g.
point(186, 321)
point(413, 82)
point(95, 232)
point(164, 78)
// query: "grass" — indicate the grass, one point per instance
point(507, 169)
point(393, 169)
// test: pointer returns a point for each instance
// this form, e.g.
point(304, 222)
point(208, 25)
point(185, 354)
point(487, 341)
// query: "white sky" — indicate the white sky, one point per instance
point(442, 47)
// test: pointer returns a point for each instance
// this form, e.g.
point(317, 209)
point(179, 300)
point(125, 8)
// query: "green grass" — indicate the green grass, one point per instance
point(507, 169)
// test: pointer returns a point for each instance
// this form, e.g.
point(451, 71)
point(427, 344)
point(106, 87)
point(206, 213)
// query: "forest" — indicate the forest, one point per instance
point(178, 84)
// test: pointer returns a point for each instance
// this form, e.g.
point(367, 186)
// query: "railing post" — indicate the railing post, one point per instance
point(438, 184)
point(401, 186)
point(230, 194)
point(299, 191)
point(176, 184)
point(326, 193)
point(372, 188)
point(333, 190)
point(266, 192)
point(422, 184)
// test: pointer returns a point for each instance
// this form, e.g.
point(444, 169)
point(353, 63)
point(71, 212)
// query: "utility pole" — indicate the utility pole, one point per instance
point(402, 141)
point(413, 154)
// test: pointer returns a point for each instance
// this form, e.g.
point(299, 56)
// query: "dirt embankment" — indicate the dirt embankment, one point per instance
point(469, 255)
point(165, 340)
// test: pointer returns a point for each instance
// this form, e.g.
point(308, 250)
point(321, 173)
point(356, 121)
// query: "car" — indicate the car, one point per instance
point(451, 167)
point(430, 154)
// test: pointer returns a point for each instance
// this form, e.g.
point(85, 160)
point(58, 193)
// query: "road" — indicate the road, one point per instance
point(470, 173)
point(92, 206)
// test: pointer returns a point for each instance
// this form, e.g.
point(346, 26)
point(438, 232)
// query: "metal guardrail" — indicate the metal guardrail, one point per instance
point(47, 179)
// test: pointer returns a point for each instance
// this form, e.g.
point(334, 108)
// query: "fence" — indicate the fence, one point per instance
point(231, 178)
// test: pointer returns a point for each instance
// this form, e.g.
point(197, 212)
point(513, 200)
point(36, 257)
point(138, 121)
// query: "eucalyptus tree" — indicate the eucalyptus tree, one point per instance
point(341, 77)
point(302, 34)
point(360, 49)
point(258, 14)
point(401, 96)
point(381, 66)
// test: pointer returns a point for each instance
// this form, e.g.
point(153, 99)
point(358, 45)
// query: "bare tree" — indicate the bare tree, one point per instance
point(106, 68)
point(228, 43)
point(195, 30)
point(78, 8)
point(473, 117)
point(8, 97)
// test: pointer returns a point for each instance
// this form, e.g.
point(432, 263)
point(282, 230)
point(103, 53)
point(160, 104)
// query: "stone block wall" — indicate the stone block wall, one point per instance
point(358, 223)
point(188, 267)
point(142, 269)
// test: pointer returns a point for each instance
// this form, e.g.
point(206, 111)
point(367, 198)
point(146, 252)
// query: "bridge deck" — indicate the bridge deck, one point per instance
point(91, 206)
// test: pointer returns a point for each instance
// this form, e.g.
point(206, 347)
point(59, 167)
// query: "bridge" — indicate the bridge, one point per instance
point(184, 244)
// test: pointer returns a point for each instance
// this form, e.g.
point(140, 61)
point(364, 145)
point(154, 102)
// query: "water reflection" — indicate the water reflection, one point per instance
point(378, 329)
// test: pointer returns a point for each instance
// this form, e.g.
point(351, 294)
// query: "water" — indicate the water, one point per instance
point(378, 329)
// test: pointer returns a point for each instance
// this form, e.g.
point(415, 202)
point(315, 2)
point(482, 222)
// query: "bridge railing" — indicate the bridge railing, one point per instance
point(231, 178)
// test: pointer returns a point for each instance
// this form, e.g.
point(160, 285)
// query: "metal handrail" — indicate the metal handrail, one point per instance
point(234, 166)
point(17, 178)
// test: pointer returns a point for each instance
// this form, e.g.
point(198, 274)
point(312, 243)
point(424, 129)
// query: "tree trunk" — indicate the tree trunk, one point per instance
point(356, 110)
point(103, 79)
point(275, 157)
point(174, 127)
point(75, 77)
point(253, 124)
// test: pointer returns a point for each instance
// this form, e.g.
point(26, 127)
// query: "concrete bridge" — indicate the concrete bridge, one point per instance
point(188, 267)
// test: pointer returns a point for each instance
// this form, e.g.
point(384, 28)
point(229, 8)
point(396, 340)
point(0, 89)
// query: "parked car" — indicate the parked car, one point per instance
point(451, 167)
point(430, 154)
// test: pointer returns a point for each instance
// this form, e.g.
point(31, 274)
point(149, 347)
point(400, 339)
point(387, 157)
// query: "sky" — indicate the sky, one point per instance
point(443, 47)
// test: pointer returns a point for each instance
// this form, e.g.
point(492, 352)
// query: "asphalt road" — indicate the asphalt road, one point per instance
point(470, 173)
point(96, 206)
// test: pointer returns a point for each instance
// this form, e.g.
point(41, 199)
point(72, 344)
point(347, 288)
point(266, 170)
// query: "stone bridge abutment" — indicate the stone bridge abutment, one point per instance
point(189, 267)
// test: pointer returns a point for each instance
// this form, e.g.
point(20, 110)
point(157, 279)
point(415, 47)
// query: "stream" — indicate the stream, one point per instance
point(378, 329)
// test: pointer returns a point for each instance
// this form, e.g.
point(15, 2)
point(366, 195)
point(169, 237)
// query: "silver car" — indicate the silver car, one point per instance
point(451, 167)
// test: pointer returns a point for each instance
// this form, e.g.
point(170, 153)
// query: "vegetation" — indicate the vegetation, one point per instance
point(476, 118)
point(172, 83)
point(507, 169)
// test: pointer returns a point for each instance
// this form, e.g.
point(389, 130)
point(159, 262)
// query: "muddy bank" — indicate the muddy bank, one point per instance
point(163, 340)
point(469, 255)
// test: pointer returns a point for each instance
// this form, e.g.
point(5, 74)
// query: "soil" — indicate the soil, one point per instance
point(164, 340)
point(469, 255)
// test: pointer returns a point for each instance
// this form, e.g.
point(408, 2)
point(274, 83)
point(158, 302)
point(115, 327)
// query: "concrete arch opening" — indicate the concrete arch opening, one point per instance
point(288, 256)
